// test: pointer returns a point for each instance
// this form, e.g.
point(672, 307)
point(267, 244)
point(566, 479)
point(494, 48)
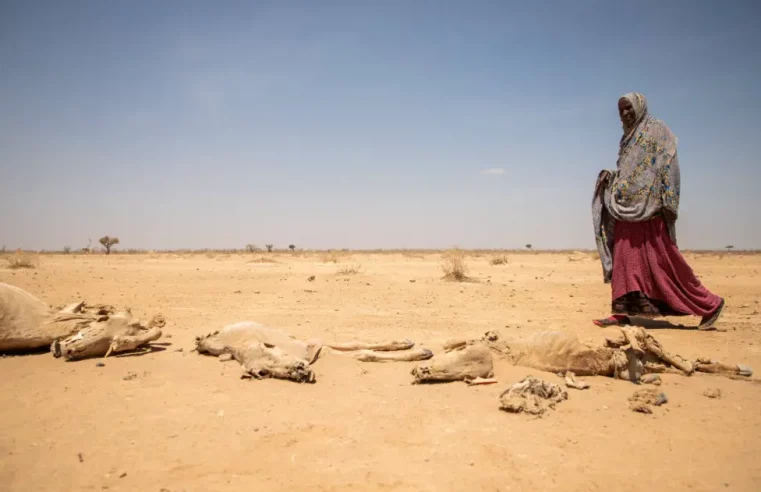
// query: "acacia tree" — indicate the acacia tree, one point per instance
point(292, 247)
point(729, 248)
point(108, 243)
point(528, 246)
point(269, 247)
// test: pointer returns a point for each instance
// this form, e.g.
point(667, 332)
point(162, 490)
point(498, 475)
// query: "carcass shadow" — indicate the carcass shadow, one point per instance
point(150, 349)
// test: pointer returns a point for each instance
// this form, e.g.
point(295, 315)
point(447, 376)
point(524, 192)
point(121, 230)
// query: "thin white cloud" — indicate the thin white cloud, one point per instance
point(494, 170)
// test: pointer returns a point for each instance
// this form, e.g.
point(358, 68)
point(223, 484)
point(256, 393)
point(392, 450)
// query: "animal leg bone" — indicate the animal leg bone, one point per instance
point(652, 345)
point(403, 356)
point(353, 346)
point(715, 367)
point(123, 343)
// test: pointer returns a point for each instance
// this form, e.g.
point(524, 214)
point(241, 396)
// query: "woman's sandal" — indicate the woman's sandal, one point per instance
point(708, 321)
point(612, 321)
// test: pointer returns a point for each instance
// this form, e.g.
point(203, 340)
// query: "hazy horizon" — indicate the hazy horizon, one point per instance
point(364, 125)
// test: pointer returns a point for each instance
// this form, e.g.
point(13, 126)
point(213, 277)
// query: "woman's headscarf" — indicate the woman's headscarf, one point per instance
point(639, 103)
point(647, 180)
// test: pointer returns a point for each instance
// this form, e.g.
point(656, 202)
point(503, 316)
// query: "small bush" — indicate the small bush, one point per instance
point(66, 250)
point(349, 270)
point(263, 259)
point(499, 260)
point(330, 257)
point(251, 248)
point(21, 260)
point(454, 266)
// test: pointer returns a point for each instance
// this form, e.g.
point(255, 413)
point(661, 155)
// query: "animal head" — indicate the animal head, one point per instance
point(262, 361)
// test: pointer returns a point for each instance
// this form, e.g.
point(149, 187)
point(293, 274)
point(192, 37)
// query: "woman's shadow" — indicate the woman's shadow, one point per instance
point(662, 324)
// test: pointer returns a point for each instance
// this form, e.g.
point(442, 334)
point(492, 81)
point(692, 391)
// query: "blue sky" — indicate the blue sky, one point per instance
point(364, 124)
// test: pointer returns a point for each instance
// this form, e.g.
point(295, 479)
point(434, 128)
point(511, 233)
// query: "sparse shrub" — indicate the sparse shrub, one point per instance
point(66, 250)
point(269, 247)
point(349, 269)
point(263, 259)
point(292, 247)
point(499, 260)
point(108, 243)
point(330, 257)
point(454, 266)
point(21, 260)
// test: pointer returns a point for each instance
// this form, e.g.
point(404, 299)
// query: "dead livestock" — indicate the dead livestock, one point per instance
point(267, 352)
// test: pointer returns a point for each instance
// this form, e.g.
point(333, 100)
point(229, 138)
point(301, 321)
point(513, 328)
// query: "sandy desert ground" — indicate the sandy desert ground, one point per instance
point(187, 422)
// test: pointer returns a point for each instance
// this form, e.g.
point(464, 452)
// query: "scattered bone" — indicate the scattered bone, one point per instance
point(531, 395)
point(461, 361)
point(713, 393)
point(265, 352)
point(643, 400)
point(570, 381)
point(651, 379)
point(481, 381)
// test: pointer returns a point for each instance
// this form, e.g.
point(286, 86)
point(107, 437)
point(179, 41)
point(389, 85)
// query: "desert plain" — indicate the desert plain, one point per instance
point(170, 419)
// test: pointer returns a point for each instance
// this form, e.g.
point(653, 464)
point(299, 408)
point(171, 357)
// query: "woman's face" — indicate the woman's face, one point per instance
point(626, 112)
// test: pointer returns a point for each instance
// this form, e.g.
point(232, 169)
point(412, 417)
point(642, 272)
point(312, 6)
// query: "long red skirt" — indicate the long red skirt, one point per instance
point(650, 276)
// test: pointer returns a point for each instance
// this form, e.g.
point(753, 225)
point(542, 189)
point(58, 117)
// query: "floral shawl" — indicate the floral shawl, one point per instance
point(644, 185)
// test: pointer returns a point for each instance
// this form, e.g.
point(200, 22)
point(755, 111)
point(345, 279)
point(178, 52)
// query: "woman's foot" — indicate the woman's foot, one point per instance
point(708, 321)
point(615, 320)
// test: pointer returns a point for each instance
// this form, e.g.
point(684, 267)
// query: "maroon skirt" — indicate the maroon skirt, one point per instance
point(650, 276)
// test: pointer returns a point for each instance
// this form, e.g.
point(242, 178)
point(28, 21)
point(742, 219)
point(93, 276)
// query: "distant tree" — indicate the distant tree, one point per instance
point(729, 248)
point(269, 247)
point(528, 246)
point(251, 248)
point(108, 243)
point(292, 247)
point(2, 250)
point(67, 250)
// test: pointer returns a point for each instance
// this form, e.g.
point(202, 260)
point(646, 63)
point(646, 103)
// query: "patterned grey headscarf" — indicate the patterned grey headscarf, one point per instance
point(639, 103)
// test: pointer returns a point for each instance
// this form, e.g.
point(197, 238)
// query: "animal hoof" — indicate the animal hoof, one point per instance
point(427, 354)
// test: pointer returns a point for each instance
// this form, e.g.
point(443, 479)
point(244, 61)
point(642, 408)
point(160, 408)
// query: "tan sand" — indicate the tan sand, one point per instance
point(170, 420)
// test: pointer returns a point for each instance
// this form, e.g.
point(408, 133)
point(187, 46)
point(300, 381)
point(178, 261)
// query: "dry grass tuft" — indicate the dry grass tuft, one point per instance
point(263, 259)
point(349, 270)
point(454, 266)
point(499, 260)
point(330, 257)
point(21, 260)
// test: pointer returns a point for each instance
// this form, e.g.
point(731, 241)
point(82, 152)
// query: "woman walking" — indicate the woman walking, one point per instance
point(634, 211)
